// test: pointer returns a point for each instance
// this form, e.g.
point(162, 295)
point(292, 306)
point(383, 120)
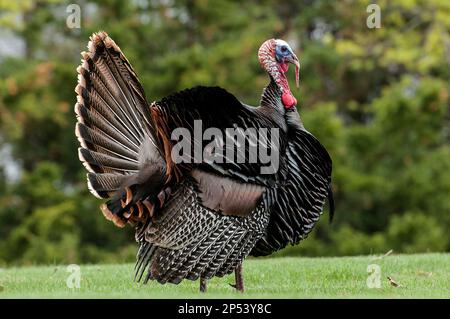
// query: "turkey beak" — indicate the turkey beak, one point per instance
point(294, 60)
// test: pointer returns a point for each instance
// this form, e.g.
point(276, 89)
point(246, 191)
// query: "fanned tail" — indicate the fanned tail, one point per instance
point(115, 129)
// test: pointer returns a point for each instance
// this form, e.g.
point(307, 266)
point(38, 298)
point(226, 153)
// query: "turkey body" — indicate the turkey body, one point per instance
point(195, 218)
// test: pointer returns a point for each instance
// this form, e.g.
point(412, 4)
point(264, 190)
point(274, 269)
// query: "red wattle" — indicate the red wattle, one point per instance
point(284, 67)
point(288, 100)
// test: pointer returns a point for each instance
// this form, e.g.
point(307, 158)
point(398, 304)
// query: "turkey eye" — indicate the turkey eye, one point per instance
point(283, 49)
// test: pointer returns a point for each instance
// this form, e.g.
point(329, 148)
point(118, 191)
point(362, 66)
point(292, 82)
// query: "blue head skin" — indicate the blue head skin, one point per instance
point(285, 55)
point(282, 51)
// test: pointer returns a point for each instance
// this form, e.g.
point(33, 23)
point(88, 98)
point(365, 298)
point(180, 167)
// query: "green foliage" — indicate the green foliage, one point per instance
point(416, 232)
point(378, 99)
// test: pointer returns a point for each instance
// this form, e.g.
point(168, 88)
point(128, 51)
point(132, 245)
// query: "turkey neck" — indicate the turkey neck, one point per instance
point(271, 105)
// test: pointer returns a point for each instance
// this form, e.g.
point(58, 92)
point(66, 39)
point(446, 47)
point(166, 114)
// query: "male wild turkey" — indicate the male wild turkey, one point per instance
point(198, 218)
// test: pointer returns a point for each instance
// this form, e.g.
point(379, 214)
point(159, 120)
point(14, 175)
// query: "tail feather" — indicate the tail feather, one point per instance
point(113, 75)
point(102, 143)
point(101, 162)
point(93, 91)
point(117, 134)
point(108, 62)
point(104, 185)
point(107, 125)
point(114, 120)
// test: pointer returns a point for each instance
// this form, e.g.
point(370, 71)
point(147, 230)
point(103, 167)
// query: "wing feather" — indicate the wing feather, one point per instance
point(301, 199)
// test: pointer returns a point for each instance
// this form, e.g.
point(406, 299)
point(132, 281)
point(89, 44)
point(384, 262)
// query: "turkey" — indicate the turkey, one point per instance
point(196, 217)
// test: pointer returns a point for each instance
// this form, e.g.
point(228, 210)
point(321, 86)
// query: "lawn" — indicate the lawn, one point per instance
point(419, 276)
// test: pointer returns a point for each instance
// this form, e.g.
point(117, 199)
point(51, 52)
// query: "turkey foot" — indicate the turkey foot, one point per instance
point(239, 285)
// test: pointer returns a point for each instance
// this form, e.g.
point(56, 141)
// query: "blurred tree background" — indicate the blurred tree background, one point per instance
point(378, 99)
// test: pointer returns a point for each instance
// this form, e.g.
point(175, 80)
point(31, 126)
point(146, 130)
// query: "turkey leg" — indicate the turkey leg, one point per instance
point(203, 284)
point(239, 285)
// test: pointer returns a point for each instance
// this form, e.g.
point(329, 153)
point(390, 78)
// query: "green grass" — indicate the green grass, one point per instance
point(420, 276)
